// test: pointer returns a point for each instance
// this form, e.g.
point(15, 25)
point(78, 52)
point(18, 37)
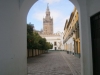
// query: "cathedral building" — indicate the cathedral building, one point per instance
point(56, 39)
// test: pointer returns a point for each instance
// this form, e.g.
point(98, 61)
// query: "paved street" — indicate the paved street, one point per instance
point(54, 63)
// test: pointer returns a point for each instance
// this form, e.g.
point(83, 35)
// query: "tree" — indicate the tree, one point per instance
point(36, 44)
point(30, 36)
point(30, 28)
point(42, 43)
point(35, 41)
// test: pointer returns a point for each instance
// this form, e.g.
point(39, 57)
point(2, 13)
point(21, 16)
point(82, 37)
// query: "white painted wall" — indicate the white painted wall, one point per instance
point(85, 38)
point(70, 44)
point(13, 46)
point(86, 8)
point(13, 57)
point(56, 39)
point(93, 6)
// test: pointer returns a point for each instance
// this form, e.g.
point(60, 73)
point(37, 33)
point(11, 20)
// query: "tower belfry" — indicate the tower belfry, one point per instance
point(47, 22)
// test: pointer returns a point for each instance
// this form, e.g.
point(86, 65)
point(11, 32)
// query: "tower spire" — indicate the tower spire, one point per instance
point(47, 11)
point(47, 6)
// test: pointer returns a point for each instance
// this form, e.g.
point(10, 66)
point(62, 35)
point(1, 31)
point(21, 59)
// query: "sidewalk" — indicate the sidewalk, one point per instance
point(73, 63)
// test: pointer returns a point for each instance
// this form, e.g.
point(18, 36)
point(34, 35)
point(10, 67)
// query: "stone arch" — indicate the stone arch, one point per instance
point(13, 15)
point(76, 4)
point(25, 5)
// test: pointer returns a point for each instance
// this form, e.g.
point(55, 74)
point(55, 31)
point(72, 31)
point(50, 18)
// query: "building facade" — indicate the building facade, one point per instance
point(55, 39)
point(71, 34)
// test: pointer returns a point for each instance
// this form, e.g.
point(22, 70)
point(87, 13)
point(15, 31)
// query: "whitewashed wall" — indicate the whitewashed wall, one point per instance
point(53, 39)
point(13, 46)
point(70, 44)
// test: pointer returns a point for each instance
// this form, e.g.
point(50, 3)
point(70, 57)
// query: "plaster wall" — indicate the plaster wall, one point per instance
point(85, 38)
point(58, 37)
point(54, 39)
point(70, 44)
point(13, 53)
point(87, 9)
point(93, 7)
point(85, 35)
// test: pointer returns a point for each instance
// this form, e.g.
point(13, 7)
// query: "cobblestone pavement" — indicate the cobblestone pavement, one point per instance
point(54, 63)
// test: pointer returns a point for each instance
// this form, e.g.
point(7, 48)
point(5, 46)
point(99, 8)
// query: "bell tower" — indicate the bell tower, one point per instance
point(47, 23)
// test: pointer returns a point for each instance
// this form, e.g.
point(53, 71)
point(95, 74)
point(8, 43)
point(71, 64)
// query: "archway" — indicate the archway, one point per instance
point(86, 54)
point(76, 3)
point(13, 34)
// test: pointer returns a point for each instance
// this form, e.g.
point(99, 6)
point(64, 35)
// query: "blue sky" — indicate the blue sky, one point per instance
point(60, 11)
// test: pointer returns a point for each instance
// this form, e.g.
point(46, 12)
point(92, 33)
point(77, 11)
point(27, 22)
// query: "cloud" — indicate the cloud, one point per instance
point(38, 16)
point(54, 14)
point(59, 25)
point(59, 19)
point(50, 1)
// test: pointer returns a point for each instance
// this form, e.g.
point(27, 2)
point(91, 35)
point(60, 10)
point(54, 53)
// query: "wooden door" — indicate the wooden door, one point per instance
point(95, 31)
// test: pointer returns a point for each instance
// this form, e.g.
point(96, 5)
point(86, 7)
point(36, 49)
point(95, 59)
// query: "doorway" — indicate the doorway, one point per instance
point(95, 32)
point(55, 48)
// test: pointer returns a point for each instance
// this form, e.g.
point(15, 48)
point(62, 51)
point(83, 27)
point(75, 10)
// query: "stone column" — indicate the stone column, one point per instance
point(74, 47)
point(85, 38)
point(13, 47)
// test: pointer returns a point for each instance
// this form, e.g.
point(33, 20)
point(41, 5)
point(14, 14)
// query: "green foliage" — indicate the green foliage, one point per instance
point(30, 29)
point(48, 46)
point(42, 43)
point(35, 41)
point(30, 36)
point(36, 44)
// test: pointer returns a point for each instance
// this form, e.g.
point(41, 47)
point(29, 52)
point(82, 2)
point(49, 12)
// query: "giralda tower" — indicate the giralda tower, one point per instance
point(47, 23)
